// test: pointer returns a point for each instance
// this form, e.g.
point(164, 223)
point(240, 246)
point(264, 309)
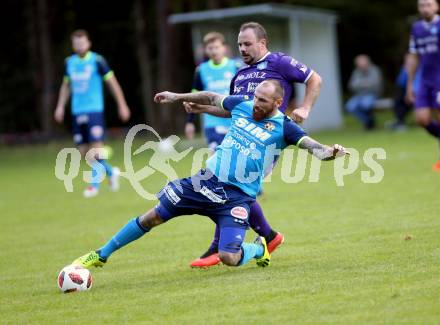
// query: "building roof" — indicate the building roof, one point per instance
point(267, 10)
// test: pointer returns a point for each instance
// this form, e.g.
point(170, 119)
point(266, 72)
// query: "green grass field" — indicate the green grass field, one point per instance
point(344, 261)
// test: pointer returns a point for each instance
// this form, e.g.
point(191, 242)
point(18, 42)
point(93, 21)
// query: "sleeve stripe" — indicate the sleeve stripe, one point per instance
point(300, 140)
point(308, 77)
point(221, 103)
point(108, 75)
point(66, 78)
point(194, 90)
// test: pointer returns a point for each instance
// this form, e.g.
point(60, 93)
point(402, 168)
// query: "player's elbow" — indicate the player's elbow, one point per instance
point(316, 79)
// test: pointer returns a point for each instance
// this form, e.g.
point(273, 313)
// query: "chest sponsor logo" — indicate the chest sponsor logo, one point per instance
point(84, 75)
point(239, 213)
point(252, 75)
point(252, 129)
point(252, 86)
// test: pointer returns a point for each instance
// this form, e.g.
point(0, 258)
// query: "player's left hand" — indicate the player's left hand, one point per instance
point(339, 151)
point(165, 97)
point(124, 113)
point(300, 114)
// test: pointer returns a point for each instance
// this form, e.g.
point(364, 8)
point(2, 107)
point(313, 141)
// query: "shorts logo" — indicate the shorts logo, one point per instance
point(97, 131)
point(171, 195)
point(77, 138)
point(239, 212)
point(211, 195)
point(82, 119)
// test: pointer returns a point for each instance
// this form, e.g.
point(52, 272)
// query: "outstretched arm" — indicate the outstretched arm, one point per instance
point(208, 109)
point(322, 151)
point(201, 97)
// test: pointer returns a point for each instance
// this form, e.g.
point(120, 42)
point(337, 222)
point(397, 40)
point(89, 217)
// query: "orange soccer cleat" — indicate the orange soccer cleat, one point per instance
point(274, 243)
point(206, 261)
point(436, 166)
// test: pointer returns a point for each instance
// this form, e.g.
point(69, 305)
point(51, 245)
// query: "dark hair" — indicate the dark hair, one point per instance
point(212, 37)
point(279, 90)
point(80, 33)
point(258, 29)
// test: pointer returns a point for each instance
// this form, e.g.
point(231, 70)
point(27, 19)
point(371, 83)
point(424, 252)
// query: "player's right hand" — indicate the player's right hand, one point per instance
point(190, 130)
point(165, 97)
point(59, 114)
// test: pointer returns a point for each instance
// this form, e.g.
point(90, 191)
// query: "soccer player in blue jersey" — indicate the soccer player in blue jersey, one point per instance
point(84, 72)
point(213, 75)
point(262, 64)
point(233, 176)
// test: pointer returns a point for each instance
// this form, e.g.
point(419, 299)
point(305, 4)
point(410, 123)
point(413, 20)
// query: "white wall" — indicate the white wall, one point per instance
point(317, 48)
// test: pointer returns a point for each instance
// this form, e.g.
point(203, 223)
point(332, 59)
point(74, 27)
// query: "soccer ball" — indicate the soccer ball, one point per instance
point(74, 278)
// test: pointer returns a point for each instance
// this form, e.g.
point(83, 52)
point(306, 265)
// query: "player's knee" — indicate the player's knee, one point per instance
point(422, 120)
point(150, 219)
point(228, 258)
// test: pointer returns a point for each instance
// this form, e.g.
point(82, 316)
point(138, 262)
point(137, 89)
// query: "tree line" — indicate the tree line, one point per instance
point(147, 54)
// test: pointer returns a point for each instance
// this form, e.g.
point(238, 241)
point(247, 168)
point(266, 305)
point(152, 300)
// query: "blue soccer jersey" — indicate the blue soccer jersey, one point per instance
point(216, 78)
point(251, 146)
point(85, 76)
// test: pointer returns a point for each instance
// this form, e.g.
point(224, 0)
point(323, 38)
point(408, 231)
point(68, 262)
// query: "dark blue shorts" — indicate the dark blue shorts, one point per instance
point(88, 128)
point(215, 136)
point(205, 195)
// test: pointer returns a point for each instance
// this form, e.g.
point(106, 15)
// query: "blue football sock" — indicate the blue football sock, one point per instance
point(107, 166)
point(131, 231)
point(250, 251)
point(98, 173)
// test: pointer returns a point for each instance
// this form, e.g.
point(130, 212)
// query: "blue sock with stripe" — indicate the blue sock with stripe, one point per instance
point(99, 169)
point(107, 166)
point(130, 232)
point(250, 251)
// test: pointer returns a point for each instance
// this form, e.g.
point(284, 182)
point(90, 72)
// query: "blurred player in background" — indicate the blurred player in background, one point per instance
point(261, 64)
point(213, 75)
point(83, 75)
point(424, 49)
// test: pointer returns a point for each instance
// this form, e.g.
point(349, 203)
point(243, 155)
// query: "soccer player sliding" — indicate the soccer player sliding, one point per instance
point(228, 186)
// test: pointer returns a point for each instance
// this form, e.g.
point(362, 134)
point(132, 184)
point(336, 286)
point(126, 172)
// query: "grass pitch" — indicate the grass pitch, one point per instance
point(345, 259)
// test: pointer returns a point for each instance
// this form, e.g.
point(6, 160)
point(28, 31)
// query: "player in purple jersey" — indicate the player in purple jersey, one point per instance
point(261, 64)
point(424, 49)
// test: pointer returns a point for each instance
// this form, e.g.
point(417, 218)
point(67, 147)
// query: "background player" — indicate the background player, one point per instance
point(424, 49)
point(261, 64)
point(218, 192)
point(83, 75)
point(213, 75)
